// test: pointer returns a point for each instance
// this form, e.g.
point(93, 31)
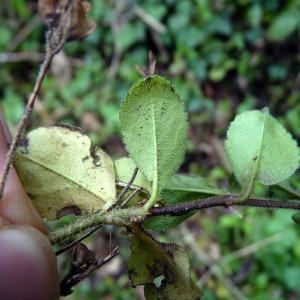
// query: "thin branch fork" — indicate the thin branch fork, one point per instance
point(55, 40)
point(72, 279)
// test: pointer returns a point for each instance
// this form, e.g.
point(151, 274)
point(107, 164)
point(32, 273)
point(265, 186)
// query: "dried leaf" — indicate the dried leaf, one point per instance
point(150, 259)
point(79, 26)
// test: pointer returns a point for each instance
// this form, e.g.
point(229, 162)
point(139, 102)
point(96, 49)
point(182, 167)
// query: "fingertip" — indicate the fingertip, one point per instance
point(28, 268)
point(15, 205)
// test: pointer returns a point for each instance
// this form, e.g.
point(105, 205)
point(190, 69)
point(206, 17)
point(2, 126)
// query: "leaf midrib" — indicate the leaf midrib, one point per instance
point(61, 175)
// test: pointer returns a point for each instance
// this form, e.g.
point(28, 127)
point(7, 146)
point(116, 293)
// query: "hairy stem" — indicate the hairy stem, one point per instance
point(224, 200)
point(127, 217)
point(118, 217)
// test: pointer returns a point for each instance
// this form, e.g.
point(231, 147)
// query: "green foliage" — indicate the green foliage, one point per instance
point(12, 106)
point(224, 59)
point(181, 189)
point(252, 152)
point(200, 42)
point(59, 155)
point(156, 139)
point(285, 23)
point(263, 240)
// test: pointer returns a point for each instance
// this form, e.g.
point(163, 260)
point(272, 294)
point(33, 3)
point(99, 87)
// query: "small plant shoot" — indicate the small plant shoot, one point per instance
point(156, 139)
point(145, 190)
point(82, 179)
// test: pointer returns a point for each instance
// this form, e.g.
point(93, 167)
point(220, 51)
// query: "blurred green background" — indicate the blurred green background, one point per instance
point(224, 57)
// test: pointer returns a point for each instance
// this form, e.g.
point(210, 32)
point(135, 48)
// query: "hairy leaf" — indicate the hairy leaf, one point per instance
point(181, 189)
point(259, 148)
point(62, 173)
point(150, 259)
point(154, 126)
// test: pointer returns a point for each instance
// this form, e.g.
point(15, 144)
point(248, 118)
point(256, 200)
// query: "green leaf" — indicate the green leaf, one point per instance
point(181, 189)
point(284, 25)
point(124, 169)
point(150, 259)
point(259, 148)
point(63, 174)
point(283, 190)
point(154, 126)
point(189, 184)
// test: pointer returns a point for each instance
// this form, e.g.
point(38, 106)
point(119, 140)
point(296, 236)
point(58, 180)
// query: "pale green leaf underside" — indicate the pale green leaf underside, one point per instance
point(259, 148)
point(189, 184)
point(59, 172)
point(154, 126)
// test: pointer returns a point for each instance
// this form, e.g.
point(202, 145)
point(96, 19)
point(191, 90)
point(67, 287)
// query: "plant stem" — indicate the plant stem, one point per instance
point(23, 121)
point(127, 217)
point(55, 40)
point(224, 200)
point(118, 217)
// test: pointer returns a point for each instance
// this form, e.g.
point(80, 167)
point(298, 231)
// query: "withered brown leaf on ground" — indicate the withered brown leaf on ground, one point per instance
point(80, 26)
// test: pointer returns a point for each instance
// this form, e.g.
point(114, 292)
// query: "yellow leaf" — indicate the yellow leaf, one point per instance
point(62, 173)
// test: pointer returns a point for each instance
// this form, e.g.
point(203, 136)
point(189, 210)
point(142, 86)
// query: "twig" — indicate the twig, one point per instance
point(189, 240)
point(62, 250)
point(237, 254)
point(126, 188)
point(7, 57)
point(55, 40)
point(121, 217)
point(129, 198)
point(68, 282)
point(115, 217)
point(252, 248)
point(151, 66)
point(149, 20)
point(116, 57)
point(132, 187)
point(21, 56)
point(23, 121)
point(225, 200)
point(24, 32)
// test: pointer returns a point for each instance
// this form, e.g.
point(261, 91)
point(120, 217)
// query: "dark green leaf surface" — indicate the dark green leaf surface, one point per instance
point(154, 125)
